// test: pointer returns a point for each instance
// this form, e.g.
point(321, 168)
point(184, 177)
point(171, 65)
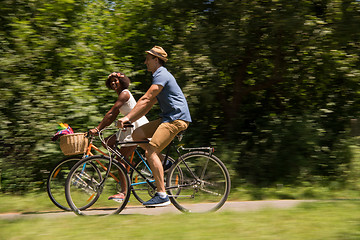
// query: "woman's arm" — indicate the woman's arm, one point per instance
point(111, 115)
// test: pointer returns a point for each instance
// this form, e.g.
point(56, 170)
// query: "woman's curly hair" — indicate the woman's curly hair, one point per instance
point(123, 79)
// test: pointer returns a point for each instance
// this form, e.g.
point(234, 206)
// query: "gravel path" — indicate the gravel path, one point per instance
point(138, 209)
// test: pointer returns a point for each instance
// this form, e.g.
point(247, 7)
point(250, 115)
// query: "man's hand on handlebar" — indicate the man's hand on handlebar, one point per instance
point(123, 122)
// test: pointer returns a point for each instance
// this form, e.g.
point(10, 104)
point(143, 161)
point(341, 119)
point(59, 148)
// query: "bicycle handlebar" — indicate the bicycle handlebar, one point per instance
point(126, 125)
point(100, 132)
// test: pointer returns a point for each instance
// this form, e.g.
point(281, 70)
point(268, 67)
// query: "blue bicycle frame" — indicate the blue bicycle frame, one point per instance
point(147, 166)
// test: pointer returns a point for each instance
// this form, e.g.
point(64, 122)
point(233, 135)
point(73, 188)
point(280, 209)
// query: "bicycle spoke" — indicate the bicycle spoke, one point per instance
point(211, 192)
point(204, 169)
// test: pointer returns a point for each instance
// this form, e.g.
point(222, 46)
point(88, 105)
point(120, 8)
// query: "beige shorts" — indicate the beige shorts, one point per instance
point(162, 134)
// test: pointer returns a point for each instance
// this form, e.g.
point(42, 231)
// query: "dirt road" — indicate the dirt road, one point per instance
point(138, 209)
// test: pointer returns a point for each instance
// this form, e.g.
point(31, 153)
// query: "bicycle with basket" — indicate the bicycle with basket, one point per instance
point(195, 177)
point(78, 146)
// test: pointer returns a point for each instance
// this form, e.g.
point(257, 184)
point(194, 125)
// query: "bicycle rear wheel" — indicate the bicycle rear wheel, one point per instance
point(198, 182)
point(85, 183)
point(55, 186)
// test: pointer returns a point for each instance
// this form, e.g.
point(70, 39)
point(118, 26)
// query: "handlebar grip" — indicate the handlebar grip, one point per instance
point(126, 124)
point(87, 134)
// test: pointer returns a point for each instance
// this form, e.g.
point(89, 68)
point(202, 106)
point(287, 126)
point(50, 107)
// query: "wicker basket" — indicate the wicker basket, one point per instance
point(72, 144)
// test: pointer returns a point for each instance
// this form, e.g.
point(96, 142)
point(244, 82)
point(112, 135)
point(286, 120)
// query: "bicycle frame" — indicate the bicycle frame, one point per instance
point(90, 147)
point(147, 166)
point(195, 173)
point(129, 163)
point(116, 152)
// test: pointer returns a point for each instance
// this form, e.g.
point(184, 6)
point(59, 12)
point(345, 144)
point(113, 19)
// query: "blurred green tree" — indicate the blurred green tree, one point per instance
point(273, 84)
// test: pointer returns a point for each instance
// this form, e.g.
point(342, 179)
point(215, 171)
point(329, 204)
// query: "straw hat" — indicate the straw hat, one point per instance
point(158, 52)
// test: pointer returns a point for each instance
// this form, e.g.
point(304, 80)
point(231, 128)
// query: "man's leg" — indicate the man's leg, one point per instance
point(152, 155)
point(154, 160)
point(162, 137)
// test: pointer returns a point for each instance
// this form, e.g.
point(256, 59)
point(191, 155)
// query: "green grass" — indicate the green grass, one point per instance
point(24, 203)
point(316, 220)
point(35, 202)
point(333, 191)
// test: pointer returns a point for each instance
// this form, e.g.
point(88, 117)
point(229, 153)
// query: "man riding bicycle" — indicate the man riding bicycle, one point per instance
point(174, 118)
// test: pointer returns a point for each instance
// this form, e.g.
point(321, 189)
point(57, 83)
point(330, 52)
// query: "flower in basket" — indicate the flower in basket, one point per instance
point(63, 129)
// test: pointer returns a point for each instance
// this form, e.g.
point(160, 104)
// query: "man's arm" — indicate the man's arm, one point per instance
point(143, 106)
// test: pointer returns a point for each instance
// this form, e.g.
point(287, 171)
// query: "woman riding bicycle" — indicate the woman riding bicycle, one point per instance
point(124, 104)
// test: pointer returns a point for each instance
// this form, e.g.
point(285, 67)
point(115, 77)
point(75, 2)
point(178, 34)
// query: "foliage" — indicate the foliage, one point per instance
point(272, 82)
point(292, 150)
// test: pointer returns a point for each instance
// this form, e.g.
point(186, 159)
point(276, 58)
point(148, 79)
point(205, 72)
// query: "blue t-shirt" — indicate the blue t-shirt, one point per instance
point(171, 99)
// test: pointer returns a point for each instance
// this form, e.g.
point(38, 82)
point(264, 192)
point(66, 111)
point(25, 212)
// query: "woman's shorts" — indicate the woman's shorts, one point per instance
point(124, 135)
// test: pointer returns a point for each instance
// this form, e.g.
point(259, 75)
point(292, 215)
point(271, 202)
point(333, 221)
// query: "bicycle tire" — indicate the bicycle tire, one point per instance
point(83, 181)
point(141, 190)
point(55, 184)
point(212, 185)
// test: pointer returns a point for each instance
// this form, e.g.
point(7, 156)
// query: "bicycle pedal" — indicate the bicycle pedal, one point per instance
point(150, 207)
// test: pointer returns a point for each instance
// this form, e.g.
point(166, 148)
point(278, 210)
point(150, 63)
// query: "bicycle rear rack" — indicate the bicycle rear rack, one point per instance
point(210, 149)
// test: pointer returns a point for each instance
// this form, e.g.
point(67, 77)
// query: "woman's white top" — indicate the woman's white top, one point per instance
point(124, 135)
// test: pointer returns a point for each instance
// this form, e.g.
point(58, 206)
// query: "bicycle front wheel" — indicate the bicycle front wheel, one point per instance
point(198, 182)
point(87, 182)
point(55, 186)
